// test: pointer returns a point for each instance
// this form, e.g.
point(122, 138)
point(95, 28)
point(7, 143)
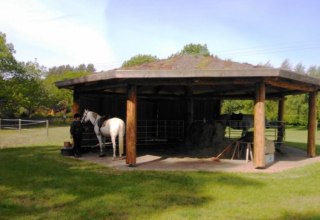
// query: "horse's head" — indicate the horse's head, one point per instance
point(85, 117)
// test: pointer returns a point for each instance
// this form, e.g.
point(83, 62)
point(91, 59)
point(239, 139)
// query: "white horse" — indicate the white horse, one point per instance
point(112, 127)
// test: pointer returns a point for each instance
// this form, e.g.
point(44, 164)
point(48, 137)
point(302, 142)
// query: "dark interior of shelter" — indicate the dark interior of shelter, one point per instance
point(164, 127)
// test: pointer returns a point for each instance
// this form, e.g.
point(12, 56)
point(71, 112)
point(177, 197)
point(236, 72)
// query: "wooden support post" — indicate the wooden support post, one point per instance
point(281, 109)
point(131, 127)
point(280, 128)
point(47, 127)
point(312, 124)
point(75, 105)
point(19, 126)
point(218, 104)
point(259, 127)
point(190, 112)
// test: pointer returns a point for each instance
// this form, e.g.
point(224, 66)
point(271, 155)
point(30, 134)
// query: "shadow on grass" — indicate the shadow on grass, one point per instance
point(300, 216)
point(38, 182)
point(301, 146)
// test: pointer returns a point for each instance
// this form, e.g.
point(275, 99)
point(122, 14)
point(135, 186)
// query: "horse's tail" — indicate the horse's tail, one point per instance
point(122, 130)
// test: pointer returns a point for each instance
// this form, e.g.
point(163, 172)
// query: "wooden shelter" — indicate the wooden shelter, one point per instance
point(181, 81)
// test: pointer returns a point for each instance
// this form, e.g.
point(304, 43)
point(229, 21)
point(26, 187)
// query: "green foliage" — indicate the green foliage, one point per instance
point(237, 106)
point(62, 98)
point(296, 109)
point(25, 92)
point(195, 49)
point(8, 64)
point(25, 87)
point(138, 60)
point(21, 87)
point(63, 69)
point(271, 110)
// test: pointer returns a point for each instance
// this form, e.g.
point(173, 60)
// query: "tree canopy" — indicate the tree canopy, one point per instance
point(29, 87)
point(8, 63)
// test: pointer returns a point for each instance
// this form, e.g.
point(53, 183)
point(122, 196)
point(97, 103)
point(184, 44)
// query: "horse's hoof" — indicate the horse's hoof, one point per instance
point(102, 155)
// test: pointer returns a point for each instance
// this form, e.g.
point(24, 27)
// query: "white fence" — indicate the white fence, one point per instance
point(22, 124)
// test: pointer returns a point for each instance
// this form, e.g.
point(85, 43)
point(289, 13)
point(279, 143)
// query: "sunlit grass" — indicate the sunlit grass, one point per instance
point(34, 137)
point(36, 182)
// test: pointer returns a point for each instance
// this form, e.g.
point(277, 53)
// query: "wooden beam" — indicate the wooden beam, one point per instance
point(131, 127)
point(291, 86)
point(312, 124)
point(259, 127)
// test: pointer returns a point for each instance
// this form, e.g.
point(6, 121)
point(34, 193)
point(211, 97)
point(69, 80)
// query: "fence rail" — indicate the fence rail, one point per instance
point(274, 130)
point(148, 131)
point(159, 130)
point(19, 124)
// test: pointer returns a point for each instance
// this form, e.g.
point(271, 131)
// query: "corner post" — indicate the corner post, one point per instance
point(259, 127)
point(312, 124)
point(131, 127)
point(75, 105)
point(280, 125)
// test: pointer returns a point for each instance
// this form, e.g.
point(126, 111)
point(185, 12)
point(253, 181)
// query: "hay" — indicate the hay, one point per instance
point(205, 139)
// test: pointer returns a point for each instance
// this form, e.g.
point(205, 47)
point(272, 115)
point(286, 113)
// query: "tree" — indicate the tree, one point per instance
point(195, 49)
point(8, 64)
point(237, 106)
point(314, 71)
point(138, 60)
point(58, 70)
point(62, 98)
point(286, 65)
point(299, 68)
point(9, 68)
point(26, 92)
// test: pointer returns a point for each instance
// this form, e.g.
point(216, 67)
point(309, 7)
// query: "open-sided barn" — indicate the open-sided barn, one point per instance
point(188, 88)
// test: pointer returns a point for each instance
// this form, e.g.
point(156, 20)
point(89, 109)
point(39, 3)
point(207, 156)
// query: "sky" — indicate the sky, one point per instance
point(108, 32)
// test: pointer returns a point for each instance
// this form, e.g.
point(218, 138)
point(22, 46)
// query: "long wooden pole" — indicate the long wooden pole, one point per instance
point(47, 127)
point(75, 105)
point(259, 127)
point(312, 124)
point(131, 127)
point(281, 109)
point(280, 129)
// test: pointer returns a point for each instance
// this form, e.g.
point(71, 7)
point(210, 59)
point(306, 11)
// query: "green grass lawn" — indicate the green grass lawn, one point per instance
point(36, 182)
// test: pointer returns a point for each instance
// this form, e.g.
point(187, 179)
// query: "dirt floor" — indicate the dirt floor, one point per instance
point(161, 160)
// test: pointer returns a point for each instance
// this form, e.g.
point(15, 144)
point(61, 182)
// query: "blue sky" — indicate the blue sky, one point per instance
point(106, 33)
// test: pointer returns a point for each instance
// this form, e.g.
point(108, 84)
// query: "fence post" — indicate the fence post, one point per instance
point(0, 124)
point(20, 126)
point(47, 126)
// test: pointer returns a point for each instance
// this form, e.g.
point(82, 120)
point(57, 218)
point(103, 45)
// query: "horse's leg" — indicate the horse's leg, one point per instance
point(120, 137)
point(103, 141)
point(113, 140)
point(102, 154)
